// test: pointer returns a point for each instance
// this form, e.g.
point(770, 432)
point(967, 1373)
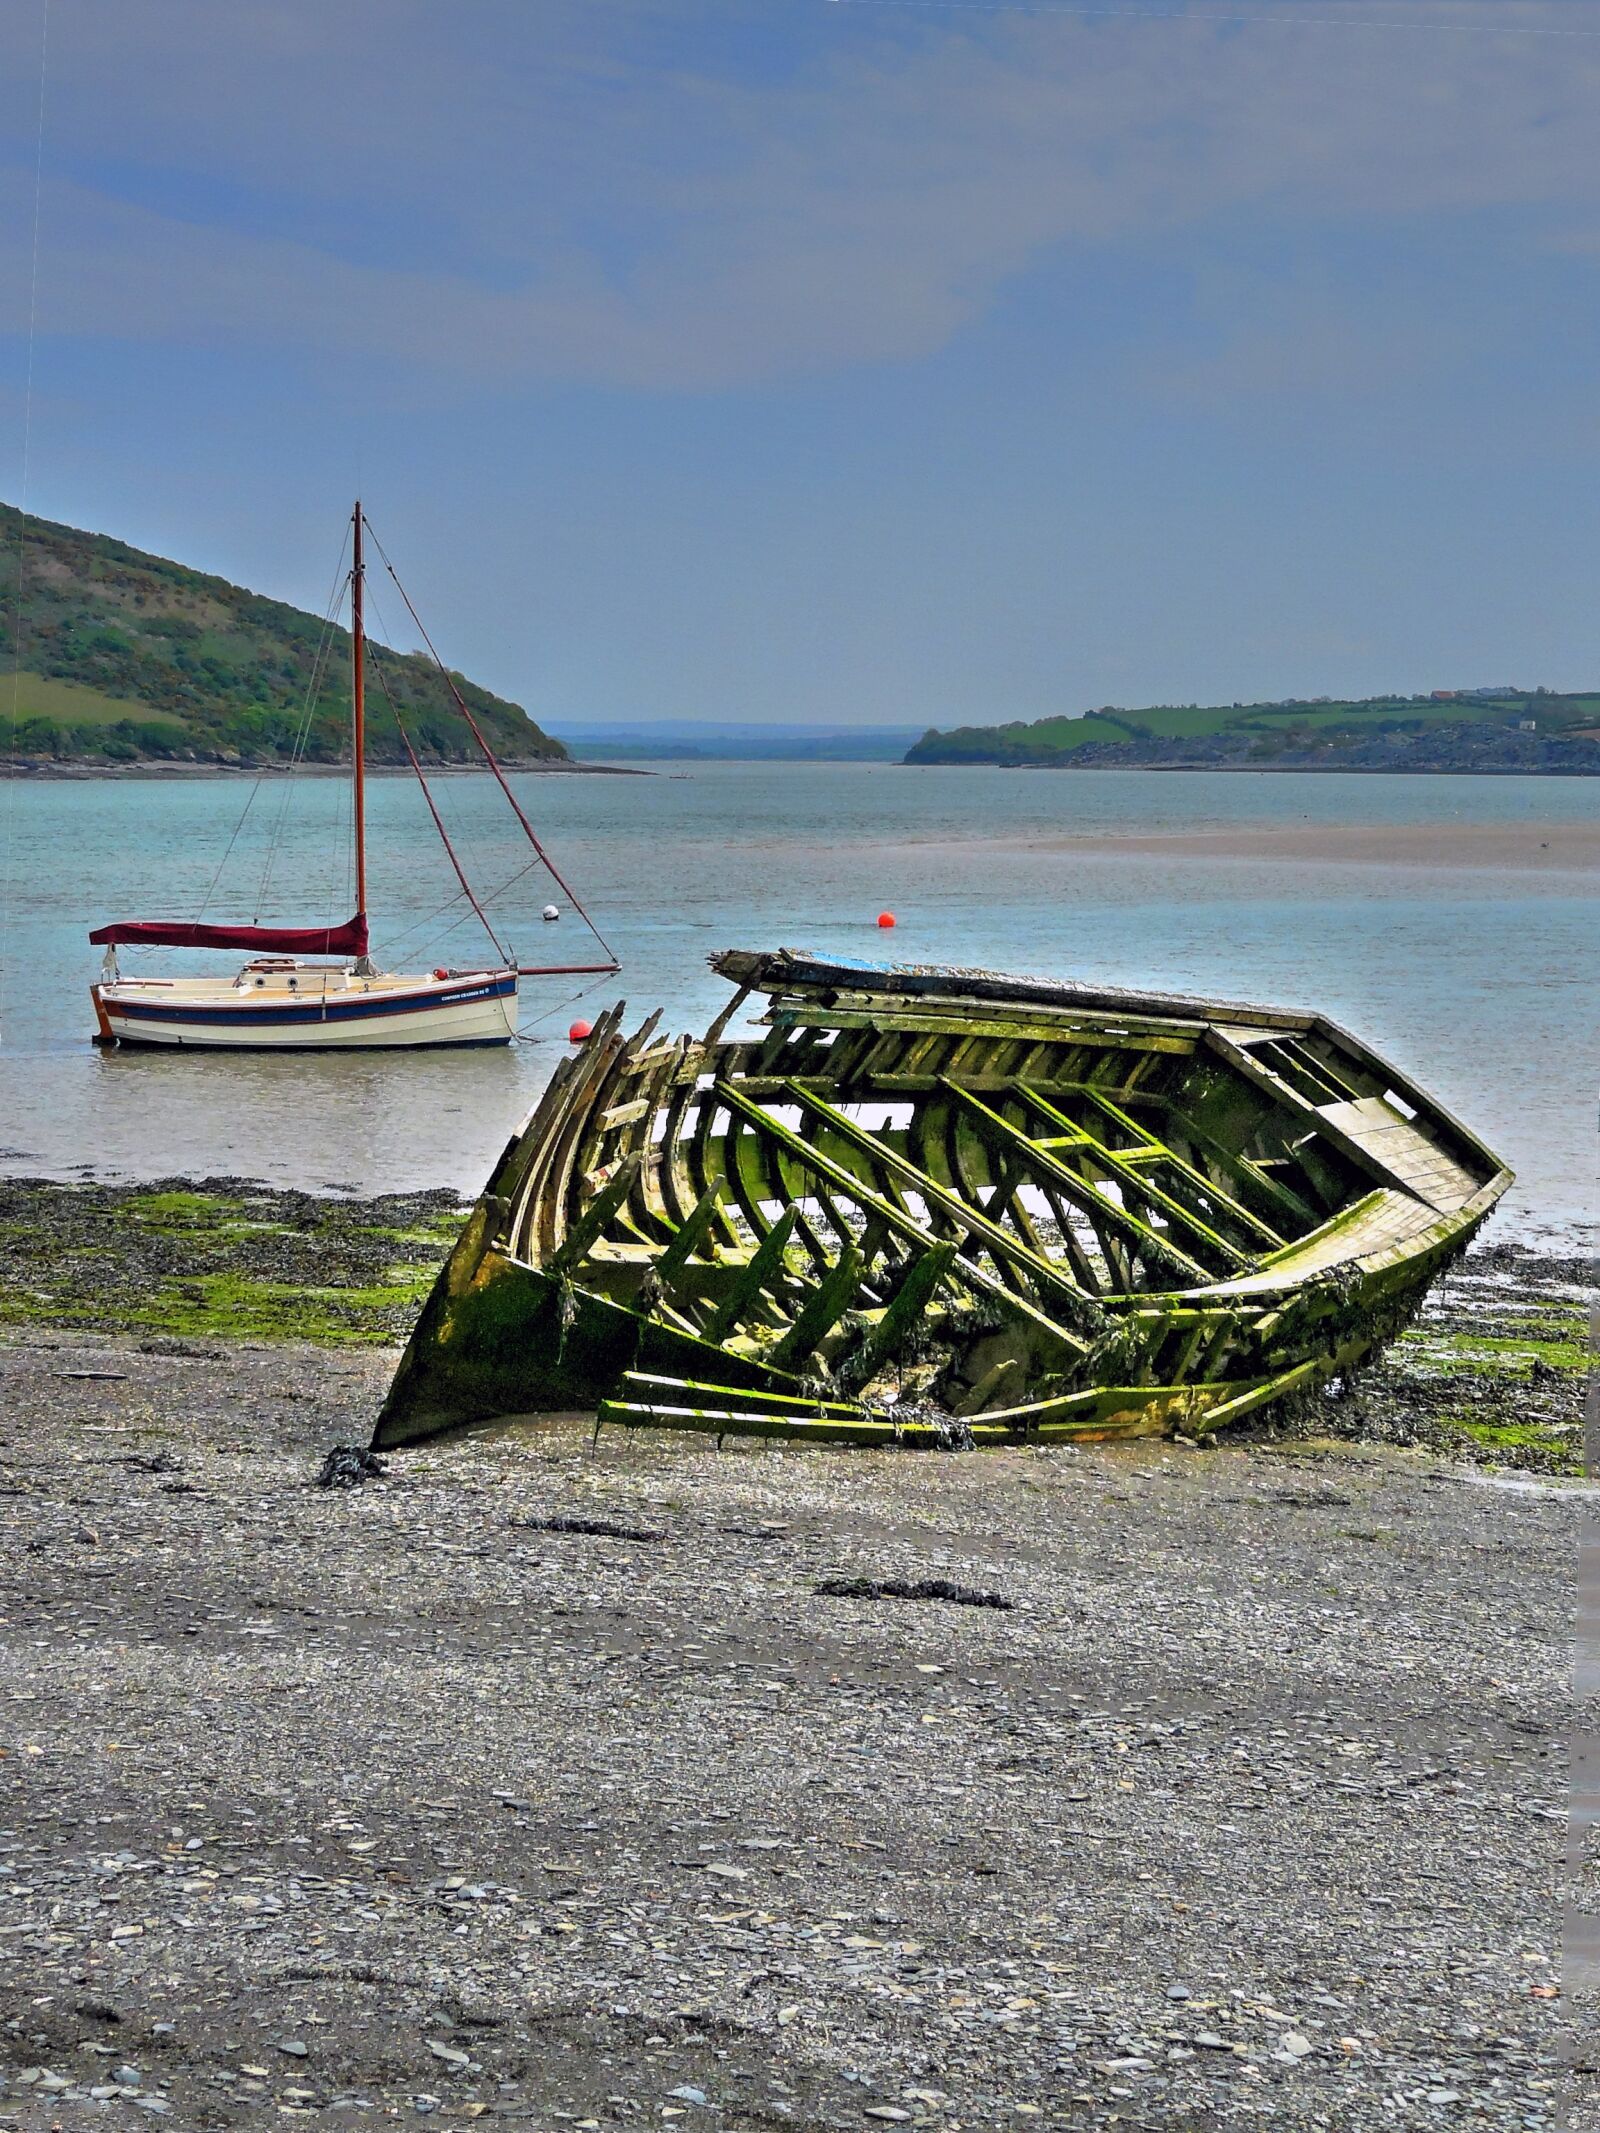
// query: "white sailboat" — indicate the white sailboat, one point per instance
point(279, 1001)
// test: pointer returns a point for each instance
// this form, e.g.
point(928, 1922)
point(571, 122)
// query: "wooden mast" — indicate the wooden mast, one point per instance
point(358, 702)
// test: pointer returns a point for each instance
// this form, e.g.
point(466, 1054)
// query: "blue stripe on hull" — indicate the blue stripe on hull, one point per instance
point(432, 1044)
point(310, 1015)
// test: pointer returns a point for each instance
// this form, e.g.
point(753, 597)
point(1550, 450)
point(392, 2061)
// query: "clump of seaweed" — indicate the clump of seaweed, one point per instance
point(347, 1466)
point(911, 1589)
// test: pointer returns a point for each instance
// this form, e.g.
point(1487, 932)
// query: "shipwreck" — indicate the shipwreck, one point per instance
point(939, 1207)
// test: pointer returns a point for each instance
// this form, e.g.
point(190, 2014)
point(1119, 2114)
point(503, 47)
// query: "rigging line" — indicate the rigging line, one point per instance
point(343, 841)
point(444, 932)
point(250, 801)
point(296, 758)
point(22, 508)
point(314, 683)
point(449, 801)
point(447, 815)
point(334, 895)
point(461, 827)
point(313, 691)
point(1149, 14)
point(418, 941)
point(205, 901)
point(490, 758)
point(438, 825)
point(422, 939)
point(418, 931)
point(313, 695)
point(344, 810)
point(281, 817)
point(556, 1007)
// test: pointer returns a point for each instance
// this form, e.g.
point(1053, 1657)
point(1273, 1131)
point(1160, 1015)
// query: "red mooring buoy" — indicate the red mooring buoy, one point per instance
point(580, 1030)
point(886, 918)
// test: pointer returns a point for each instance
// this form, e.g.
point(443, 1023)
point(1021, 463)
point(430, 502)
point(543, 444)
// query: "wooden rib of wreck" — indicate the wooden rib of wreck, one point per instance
point(945, 1207)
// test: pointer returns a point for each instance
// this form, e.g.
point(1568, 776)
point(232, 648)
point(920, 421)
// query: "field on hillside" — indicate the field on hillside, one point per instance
point(70, 703)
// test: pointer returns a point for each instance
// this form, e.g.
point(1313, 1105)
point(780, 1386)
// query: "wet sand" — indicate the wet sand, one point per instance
point(1569, 848)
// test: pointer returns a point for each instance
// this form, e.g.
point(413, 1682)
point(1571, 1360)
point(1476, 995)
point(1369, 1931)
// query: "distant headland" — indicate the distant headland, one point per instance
point(1472, 730)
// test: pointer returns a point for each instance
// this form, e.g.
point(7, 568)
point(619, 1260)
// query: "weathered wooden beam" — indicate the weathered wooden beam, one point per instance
point(1126, 1165)
point(575, 1246)
point(1088, 1274)
point(1000, 1243)
point(643, 1383)
point(691, 1234)
point(1120, 1038)
point(887, 1339)
point(1157, 1150)
point(837, 1293)
point(764, 1269)
point(1285, 1095)
point(972, 1275)
point(1082, 1191)
point(739, 1420)
point(1245, 1175)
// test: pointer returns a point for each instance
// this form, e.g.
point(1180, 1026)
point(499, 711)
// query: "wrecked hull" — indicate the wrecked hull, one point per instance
point(945, 1208)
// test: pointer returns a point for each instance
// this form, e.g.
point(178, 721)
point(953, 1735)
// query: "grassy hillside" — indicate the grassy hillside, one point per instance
point(1509, 730)
point(125, 656)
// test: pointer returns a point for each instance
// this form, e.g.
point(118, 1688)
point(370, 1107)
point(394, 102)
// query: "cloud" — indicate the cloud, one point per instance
point(620, 197)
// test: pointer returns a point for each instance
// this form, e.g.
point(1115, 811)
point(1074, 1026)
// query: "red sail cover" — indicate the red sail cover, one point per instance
point(348, 939)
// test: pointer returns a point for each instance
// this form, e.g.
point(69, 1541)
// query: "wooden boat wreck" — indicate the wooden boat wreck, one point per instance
point(947, 1208)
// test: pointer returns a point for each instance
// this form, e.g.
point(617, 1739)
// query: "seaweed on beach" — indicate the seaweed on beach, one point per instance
point(181, 1260)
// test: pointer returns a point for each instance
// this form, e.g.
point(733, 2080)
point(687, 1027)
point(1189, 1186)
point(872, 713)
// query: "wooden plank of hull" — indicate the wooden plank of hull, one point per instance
point(513, 1340)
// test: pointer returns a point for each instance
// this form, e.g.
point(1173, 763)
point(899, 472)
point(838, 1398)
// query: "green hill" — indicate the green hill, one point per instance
point(1500, 730)
point(127, 657)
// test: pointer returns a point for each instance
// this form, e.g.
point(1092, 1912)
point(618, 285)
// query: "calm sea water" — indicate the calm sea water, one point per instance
point(1476, 978)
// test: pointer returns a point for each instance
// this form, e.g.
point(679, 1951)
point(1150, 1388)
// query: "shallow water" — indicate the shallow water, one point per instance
point(1459, 943)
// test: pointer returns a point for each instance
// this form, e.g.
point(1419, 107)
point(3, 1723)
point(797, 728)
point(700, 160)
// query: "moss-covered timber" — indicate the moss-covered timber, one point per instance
point(947, 1208)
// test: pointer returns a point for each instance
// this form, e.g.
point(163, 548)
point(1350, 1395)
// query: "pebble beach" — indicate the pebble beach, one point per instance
point(612, 1784)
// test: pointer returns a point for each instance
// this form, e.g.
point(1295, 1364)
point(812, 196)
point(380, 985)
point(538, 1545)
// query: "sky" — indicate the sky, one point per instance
point(844, 360)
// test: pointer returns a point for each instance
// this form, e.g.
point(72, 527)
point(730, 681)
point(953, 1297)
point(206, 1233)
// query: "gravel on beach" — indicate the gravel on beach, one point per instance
point(544, 1780)
point(400, 1798)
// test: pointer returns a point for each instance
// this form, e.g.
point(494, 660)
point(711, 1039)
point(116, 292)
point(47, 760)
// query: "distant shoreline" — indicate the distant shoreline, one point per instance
point(680, 767)
point(68, 773)
point(1282, 770)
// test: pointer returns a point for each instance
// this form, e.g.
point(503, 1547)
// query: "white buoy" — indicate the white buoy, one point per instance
point(550, 911)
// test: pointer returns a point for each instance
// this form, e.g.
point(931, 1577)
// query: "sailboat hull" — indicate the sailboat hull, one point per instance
point(313, 1009)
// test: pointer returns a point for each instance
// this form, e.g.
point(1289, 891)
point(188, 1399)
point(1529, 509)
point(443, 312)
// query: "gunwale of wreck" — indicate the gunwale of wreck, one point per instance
point(930, 1206)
